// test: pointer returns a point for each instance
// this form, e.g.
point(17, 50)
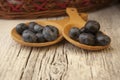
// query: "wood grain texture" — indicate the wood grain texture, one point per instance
point(62, 61)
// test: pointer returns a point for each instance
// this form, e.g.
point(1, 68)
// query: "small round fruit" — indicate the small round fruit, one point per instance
point(40, 37)
point(21, 27)
point(99, 33)
point(74, 33)
point(49, 34)
point(102, 40)
point(92, 26)
point(87, 38)
point(54, 29)
point(31, 26)
point(82, 30)
point(29, 36)
point(27, 31)
point(38, 28)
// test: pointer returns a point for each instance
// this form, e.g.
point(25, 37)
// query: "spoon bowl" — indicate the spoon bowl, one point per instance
point(19, 39)
point(57, 23)
point(77, 21)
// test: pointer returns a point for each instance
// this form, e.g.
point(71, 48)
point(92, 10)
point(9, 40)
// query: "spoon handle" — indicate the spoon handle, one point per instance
point(74, 16)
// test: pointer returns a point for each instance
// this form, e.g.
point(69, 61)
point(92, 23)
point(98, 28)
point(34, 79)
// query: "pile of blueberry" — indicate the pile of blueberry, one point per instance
point(90, 34)
point(35, 33)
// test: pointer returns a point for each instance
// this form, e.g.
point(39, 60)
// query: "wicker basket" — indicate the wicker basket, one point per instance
point(26, 9)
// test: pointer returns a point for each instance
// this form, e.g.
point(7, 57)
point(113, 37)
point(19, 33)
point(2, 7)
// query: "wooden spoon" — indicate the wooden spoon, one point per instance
point(77, 21)
point(57, 23)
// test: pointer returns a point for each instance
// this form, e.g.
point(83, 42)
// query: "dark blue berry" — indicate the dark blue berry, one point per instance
point(29, 36)
point(82, 30)
point(27, 31)
point(38, 28)
point(102, 40)
point(74, 33)
point(40, 37)
point(99, 33)
point(92, 26)
point(31, 26)
point(87, 38)
point(54, 29)
point(21, 27)
point(49, 34)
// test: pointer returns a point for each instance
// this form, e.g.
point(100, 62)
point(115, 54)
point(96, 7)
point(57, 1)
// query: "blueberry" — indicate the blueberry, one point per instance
point(54, 29)
point(74, 33)
point(82, 30)
point(38, 28)
point(99, 33)
point(49, 34)
point(21, 27)
point(87, 38)
point(31, 26)
point(29, 36)
point(92, 26)
point(40, 37)
point(27, 31)
point(102, 40)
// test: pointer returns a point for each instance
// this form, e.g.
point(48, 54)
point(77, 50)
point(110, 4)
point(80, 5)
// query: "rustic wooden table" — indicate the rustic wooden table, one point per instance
point(62, 61)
